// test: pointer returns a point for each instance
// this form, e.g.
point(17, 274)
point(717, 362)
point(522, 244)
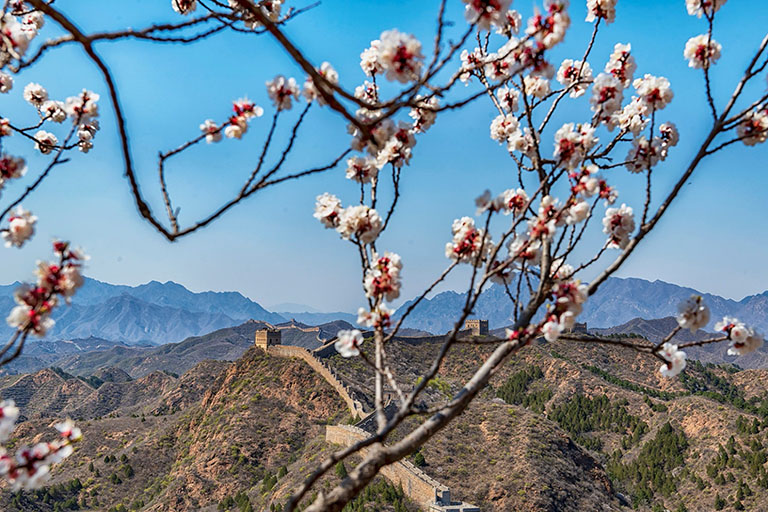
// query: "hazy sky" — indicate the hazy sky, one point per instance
point(271, 249)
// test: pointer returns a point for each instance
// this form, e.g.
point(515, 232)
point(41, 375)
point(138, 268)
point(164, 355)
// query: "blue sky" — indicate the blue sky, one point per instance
point(271, 249)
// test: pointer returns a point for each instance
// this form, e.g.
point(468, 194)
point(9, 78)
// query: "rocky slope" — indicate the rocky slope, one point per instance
point(562, 426)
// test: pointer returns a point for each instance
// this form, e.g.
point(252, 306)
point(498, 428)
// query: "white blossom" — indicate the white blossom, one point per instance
point(311, 92)
point(621, 64)
point(693, 314)
point(383, 278)
point(485, 13)
point(702, 51)
point(399, 56)
point(699, 7)
point(618, 224)
point(654, 91)
point(753, 128)
point(470, 244)
point(282, 91)
point(362, 169)
point(675, 360)
point(503, 127)
point(21, 227)
point(35, 94)
point(536, 86)
point(211, 130)
point(54, 110)
point(46, 141)
point(327, 210)
point(360, 221)
point(573, 142)
point(605, 9)
point(576, 74)
point(348, 343)
point(6, 82)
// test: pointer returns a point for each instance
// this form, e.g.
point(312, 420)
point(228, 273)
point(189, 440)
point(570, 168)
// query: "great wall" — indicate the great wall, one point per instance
point(416, 484)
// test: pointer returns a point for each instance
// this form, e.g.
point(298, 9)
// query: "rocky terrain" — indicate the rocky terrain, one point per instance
point(563, 426)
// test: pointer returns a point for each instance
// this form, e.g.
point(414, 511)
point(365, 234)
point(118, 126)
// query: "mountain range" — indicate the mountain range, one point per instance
point(618, 300)
point(152, 313)
point(156, 313)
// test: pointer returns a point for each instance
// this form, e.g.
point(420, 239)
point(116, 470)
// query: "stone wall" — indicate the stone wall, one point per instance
point(416, 484)
point(355, 407)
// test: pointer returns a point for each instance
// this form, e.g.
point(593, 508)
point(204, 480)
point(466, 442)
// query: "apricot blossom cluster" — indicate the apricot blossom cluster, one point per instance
point(30, 466)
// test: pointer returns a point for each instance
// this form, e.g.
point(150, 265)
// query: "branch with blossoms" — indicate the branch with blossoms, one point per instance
point(533, 256)
point(30, 467)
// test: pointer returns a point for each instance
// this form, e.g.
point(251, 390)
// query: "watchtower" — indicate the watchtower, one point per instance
point(477, 327)
point(267, 338)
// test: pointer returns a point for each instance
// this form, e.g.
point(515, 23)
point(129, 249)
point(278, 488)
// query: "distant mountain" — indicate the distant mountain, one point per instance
point(292, 307)
point(617, 301)
point(153, 313)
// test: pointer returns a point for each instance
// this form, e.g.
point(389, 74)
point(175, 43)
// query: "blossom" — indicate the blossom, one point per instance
point(369, 59)
point(699, 7)
point(35, 94)
point(30, 467)
point(575, 75)
point(486, 202)
point(470, 244)
point(618, 224)
point(362, 169)
point(46, 141)
point(327, 210)
point(701, 51)
point(549, 28)
point(631, 118)
point(211, 130)
point(643, 154)
point(184, 6)
point(21, 227)
point(378, 318)
point(15, 40)
point(503, 126)
point(360, 221)
point(282, 91)
point(11, 167)
point(270, 9)
point(577, 211)
point(348, 343)
point(54, 110)
point(513, 20)
point(509, 98)
point(523, 249)
point(9, 413)
point(693, 314)
point(621, 64)
point(653, 91)
point(5, 127)
point(752, 342)
point(310, 89)
point(469, 63)
point(572, 142)
point(6, 82)
point(743, 339)
point(753, 128)
point(83, 107)
point(383, 278)
point(485, 13)
point(607, 95)
point(605, 9)
point(367, 91)
point(522, 141)
point(397, 148)
point(424, 114)
point(675, 360)
point(544, 225)
point(536, 86)
point(514, 201)
point(399, 56)
point(85, 132)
